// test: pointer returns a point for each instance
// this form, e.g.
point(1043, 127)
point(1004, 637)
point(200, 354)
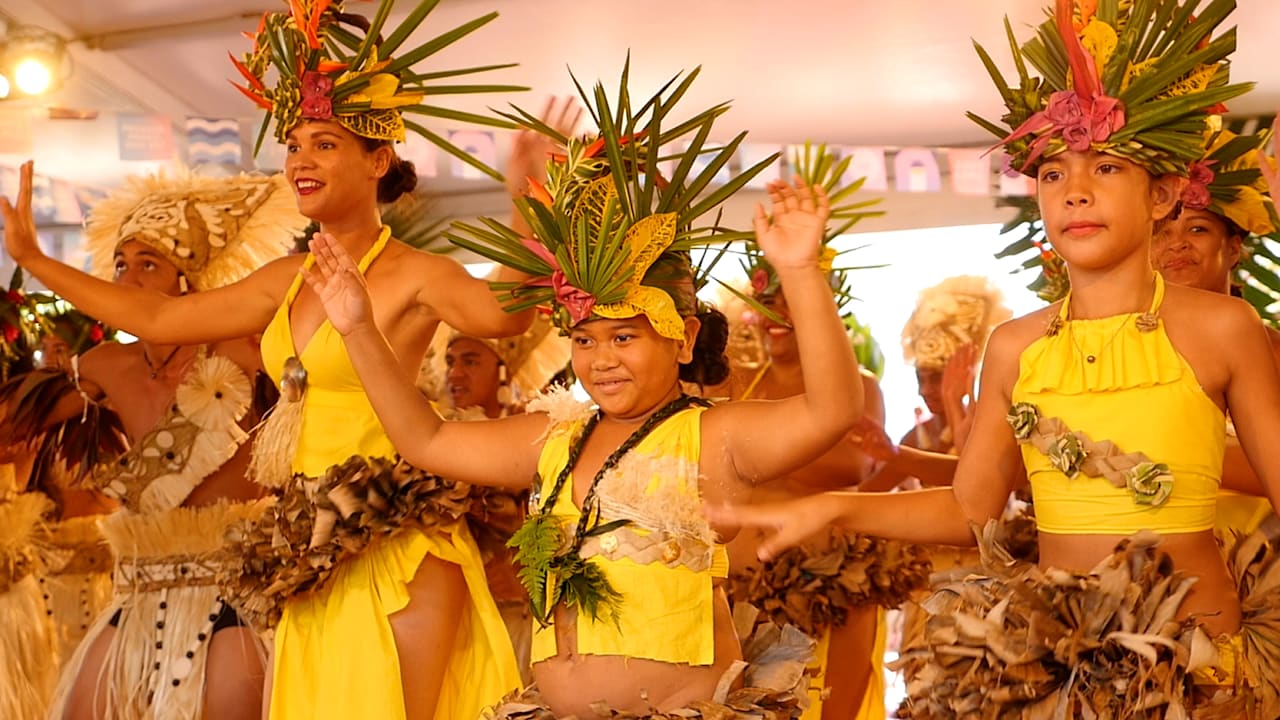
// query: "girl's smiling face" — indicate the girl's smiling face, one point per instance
point(627, 367)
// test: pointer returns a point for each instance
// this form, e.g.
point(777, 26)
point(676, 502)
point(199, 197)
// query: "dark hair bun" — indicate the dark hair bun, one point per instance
point(709, 365)
point(401, 178)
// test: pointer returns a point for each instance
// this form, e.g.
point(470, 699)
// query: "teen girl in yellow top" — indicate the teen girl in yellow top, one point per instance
point(625, 571)
point(409, 630)
point(1125, 358)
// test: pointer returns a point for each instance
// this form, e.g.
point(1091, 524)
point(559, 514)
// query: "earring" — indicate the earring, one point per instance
point(182, 284)
point(504, 387)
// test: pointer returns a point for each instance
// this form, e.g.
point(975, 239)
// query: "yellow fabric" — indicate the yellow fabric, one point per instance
point(335, 655)
point(1230, 650)
point(1141, 395)
point(666, 612)
point(872, 707)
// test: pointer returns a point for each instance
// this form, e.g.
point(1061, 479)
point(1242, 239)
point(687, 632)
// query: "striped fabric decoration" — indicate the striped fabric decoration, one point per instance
point(213, 141)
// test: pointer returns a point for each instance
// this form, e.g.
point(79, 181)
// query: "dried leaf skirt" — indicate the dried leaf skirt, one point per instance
point(77, 580)
point(330, 562)
point(1016, 641)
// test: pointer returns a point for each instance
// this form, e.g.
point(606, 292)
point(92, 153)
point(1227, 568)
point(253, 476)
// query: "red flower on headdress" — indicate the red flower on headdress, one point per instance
point(96, 334)
point(759, 280)
point(316, 103)
point(10, 333)
point(14, 297)
point(1196, 194)
point(577, 301)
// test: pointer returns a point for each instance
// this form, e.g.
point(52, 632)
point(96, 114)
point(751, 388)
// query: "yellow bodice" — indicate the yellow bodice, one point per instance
point(1137, 392)
point(338, 420)
point(667, 596)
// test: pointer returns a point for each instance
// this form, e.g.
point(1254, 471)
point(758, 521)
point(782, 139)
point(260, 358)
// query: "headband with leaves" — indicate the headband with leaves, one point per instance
point(333, 65)
point(612, 227)
point(1133, 78)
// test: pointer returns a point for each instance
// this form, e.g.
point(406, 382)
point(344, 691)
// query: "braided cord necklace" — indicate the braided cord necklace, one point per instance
point(541, 550)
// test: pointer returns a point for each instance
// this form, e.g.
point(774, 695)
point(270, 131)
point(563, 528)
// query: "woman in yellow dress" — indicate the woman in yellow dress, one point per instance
point(624, 572)
point(406, 628)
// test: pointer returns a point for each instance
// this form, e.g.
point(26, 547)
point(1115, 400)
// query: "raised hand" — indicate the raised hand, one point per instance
point(337, 281)
point(531, 149)
point(1270, 166)
point(791, 233)
point(19, 225)
point(957, 384)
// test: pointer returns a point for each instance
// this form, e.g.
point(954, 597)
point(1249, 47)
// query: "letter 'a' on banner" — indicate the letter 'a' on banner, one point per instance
point(213, 141)
point(915, 169)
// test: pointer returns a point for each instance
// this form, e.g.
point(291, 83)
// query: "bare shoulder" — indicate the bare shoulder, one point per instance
point(1212, 315)
point(1273, 337)
point(1010, 338)
point(107, 358)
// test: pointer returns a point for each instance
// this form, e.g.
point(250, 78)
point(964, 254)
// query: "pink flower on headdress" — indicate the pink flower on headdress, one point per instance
point(14, 297)
point(1079, 120)
point(316, 103)
point(759, 280)
point(1196, 194)
point(10, 334)
point(96, 334)
point(577, 301)
point(1064, 109)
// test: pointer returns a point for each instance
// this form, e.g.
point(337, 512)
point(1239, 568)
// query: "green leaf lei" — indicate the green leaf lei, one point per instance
point(552, 568)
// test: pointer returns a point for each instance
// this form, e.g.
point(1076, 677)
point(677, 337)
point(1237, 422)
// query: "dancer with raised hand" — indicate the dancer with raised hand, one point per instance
point(625, 573)
point(1111, 402)
point(403, 627)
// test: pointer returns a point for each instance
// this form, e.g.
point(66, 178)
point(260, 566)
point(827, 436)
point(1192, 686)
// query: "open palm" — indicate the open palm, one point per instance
point(19, 225)
point(337, 281)
point(791, 234)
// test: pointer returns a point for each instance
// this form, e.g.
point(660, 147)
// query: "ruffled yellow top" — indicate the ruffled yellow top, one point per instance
point(663, 563)
point(1139, 393)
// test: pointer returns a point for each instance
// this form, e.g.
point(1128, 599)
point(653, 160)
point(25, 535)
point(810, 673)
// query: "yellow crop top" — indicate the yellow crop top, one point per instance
point(663, 563)
point(1141, 395)
point(338, 420)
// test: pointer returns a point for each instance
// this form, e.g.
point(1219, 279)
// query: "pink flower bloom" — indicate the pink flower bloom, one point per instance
point(1196, 194)
point(1077, 137)
point(1064, 109)
point(1106, 115)
point(759, 280)
point(316, 103)
point(577, 302)
point(14, 297)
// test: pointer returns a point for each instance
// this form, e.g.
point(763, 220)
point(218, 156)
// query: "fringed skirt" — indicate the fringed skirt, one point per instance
point(1016, 641)
point(77, 579)
point(166, 607)
point(28, 648)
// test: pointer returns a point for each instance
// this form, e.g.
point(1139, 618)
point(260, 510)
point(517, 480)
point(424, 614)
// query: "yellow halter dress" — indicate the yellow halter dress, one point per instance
point(335, 655)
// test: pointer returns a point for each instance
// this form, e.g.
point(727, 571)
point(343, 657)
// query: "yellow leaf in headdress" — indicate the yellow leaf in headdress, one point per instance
point(646, 240)
point(590, 204)
point(1249, 211)
point(1099, 40)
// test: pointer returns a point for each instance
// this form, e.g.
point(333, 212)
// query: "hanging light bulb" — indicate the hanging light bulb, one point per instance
point(32, 60)
point(32, 76)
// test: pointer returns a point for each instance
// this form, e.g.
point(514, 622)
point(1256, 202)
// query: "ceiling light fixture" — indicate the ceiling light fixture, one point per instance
point(33, 61)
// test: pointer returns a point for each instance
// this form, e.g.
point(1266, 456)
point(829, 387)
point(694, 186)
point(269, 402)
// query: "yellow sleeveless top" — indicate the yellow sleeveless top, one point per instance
point(666, 608)
point(335, 652)
point(1140, 394)
point(338, 420)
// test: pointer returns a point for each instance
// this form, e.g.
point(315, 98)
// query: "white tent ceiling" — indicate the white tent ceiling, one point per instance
point(841, 71)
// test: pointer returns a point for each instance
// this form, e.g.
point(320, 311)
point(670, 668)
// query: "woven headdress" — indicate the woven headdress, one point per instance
point(327, 64)
point(531, 358)
point(1133, 78)
point(957, 311)
point(215, 230)
point(611, 233)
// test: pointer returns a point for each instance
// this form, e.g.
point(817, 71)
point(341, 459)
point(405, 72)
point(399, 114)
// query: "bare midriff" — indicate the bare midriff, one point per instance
point(570, 683)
